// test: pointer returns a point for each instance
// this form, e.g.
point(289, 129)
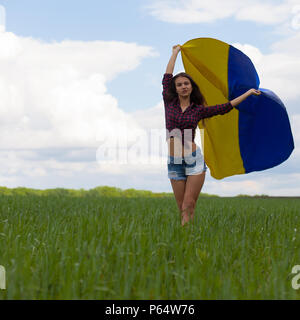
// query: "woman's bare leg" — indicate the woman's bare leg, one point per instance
point(178, 189)
point(193, 188)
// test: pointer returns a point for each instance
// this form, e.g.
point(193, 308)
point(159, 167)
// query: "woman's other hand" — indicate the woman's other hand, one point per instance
point(235, 102)
point(254, 92)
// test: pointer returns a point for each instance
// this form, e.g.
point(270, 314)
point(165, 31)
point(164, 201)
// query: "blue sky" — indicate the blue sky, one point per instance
point(128, 21)
point(126, 81)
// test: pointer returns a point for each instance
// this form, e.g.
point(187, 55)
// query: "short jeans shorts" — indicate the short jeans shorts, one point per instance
point(181, 167)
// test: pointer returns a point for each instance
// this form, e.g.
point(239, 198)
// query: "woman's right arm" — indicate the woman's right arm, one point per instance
point(167, 78)
point(171, 64)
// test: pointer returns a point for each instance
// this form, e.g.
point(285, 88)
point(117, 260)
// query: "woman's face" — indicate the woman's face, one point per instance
point(183, 86)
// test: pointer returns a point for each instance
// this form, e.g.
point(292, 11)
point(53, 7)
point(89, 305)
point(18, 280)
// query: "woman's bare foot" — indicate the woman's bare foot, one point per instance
point(185, 217)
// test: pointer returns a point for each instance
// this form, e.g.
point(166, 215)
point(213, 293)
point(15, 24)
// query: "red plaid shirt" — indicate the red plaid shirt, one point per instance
point(185, 123)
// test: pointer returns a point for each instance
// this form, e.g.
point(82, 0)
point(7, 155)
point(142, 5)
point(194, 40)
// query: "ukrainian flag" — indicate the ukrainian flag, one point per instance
point(255, 137)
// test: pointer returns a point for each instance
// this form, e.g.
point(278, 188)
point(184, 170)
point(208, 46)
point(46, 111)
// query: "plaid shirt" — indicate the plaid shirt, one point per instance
point(184, 124)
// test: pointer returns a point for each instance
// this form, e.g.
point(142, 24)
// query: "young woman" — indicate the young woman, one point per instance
point(185, 106)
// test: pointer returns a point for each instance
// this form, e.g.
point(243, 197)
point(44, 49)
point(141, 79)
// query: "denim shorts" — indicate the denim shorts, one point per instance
point(181, 167)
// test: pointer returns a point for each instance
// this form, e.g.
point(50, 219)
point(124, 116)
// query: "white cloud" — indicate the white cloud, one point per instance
point(265, 13)
point(295, 126)
point(198, 11)
point(55, 108)
point(230, 188)
point(54, 94)
point(152, 118)
point(278, 71)
point(259, 183)
point(288, 45)
point(191, 11)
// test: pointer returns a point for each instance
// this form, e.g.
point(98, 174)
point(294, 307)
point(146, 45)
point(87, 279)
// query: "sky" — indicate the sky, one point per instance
point(77, 76)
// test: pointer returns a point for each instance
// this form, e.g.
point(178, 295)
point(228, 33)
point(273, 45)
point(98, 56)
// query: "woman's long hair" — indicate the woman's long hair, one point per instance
point(196, 95)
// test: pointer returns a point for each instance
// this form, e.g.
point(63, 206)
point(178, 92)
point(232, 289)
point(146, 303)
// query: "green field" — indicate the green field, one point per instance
point(99, 245)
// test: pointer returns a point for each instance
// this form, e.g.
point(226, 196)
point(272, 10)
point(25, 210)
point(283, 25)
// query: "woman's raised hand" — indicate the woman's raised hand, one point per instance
point(171, 64)
point(176, 48)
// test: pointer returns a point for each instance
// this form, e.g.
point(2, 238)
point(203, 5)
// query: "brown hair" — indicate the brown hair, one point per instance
point(196, 95)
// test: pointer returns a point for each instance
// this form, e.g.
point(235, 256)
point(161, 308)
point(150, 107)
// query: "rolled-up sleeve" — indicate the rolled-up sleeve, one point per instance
point(167, 78)
point(207, 112)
